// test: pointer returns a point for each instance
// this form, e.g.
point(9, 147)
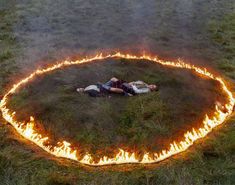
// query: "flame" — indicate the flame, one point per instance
point(64, 149)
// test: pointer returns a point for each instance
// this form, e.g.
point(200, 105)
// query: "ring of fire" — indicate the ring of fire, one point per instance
point(64, 149)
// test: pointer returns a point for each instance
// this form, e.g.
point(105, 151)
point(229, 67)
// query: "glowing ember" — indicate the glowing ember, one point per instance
point(64, 149)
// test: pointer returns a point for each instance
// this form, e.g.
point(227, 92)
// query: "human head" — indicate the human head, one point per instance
point(152, 87)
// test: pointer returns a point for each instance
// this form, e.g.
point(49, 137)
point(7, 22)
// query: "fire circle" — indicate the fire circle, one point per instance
point(65, 150)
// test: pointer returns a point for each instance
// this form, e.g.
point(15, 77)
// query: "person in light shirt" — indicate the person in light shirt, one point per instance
point(114, 85)
point(140, 87)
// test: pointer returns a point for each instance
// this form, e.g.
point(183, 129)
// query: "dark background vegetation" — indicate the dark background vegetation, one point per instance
point(35, 33)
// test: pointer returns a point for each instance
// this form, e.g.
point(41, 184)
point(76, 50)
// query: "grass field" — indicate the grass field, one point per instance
point(146, 122)
point(136, 121)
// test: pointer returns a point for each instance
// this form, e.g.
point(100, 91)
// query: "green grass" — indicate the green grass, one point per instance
point(8, 46)
point(211, 162)
point(145, 115)
point(223, 34)
point(5, 55)
point(100, 124)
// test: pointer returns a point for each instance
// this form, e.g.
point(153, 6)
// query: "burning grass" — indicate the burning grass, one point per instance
point(64, 148)
point(208, 162)
point(103, 123)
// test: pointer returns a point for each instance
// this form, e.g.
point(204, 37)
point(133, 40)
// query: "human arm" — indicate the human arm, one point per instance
point(140, 90)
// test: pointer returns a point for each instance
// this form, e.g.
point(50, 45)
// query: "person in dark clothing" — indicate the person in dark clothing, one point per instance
point(115, 85)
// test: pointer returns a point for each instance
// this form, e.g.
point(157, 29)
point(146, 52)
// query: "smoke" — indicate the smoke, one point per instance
point(53, 30)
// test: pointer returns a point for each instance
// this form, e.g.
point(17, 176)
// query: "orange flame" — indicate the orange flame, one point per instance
point(64, 149)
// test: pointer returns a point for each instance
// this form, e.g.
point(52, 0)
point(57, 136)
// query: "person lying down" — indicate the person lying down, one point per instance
point(116, 86)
